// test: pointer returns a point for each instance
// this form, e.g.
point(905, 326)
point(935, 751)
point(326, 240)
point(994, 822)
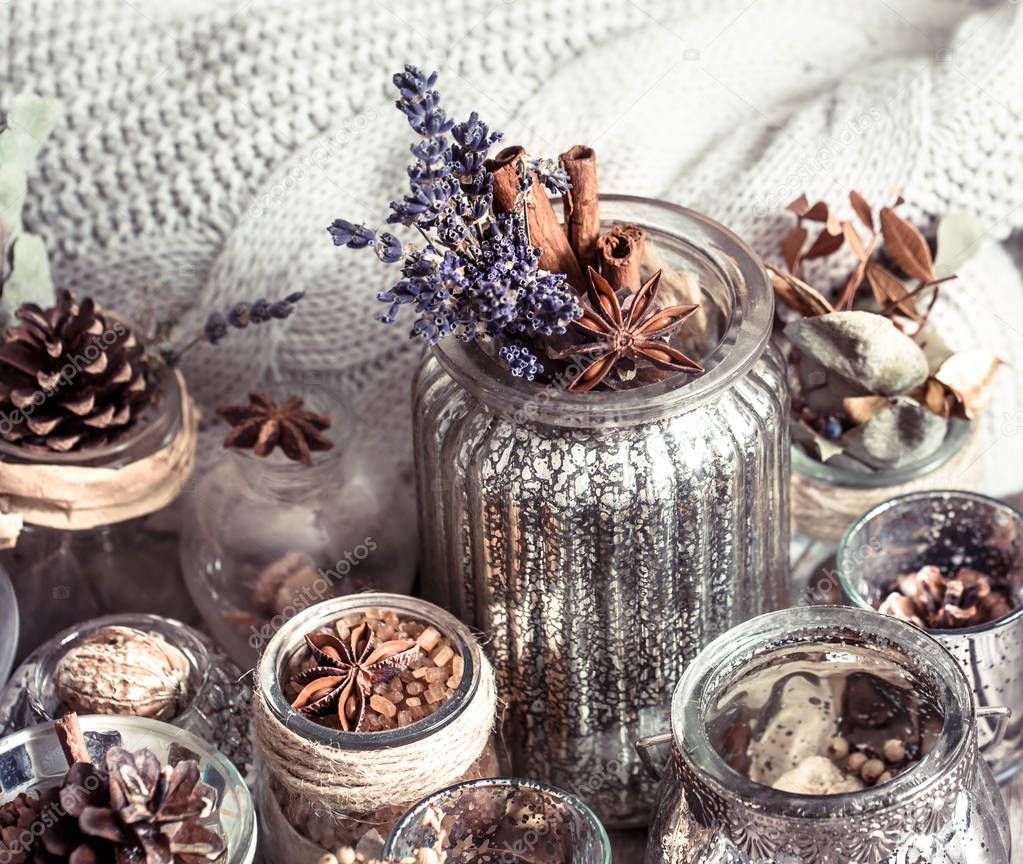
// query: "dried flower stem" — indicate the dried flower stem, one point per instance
point(581, 204)
point(544, 227)
point(621, 255)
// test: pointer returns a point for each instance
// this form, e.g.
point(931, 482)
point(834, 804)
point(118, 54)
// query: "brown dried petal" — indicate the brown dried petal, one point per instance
point(906, 245)
point(862, 209)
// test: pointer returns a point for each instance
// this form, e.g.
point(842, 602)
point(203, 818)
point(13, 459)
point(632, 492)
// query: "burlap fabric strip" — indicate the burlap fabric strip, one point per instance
point(76, 498)
point(349, 782)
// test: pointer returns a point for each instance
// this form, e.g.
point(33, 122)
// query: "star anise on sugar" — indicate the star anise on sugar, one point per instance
point(634, 334)
point(263, 425)
point(347, 670)
point(928, 599)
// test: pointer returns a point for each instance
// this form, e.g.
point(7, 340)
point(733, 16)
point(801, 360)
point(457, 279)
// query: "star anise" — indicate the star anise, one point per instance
point(263, 425)
point(631, 334)
point(347, 670)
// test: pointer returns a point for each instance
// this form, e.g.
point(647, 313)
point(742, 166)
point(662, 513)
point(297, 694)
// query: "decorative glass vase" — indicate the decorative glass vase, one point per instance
point(300, 828)
point(215, 704)
point(501, 819)
point(264, 538)
point(952, 530)
point(772, 694)
point(63, 576)
point(32, 759)
point(605, 537)
point(8, 626)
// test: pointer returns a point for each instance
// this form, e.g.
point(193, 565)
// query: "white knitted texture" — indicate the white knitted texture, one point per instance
point(207, 145)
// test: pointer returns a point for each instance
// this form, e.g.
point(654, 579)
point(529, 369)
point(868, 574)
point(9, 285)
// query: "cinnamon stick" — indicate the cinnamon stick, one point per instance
point(72, 741)
point(581, 204)
point(620, 251)
point(545, 230)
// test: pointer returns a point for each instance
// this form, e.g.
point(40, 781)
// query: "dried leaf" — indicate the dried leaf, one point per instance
point(796, 294)
point(833, 226)
point(888, 289)
point(971, 375)
point(906, 245)
point(792, 245)
point(959, 234)
point(825, 447)
point(852, 237)
point(817, 213)
point(939, 398)
point(846, 301)
point(799, 206)
point(861, 408)
point(825, 244)
point(862, 209)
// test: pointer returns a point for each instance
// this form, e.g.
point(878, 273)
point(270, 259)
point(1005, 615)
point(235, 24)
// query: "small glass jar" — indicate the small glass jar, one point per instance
point(215, 706)
point(827, 498)
point(952, 530)
point(33, 760)
point(66, 576)
point(514, 819)
point(264, 538)
point(605, 537)
point(298, 828)
point(8, 626)
point(775, 692)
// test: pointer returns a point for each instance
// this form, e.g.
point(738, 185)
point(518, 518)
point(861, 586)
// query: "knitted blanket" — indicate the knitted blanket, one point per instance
point(207, 145)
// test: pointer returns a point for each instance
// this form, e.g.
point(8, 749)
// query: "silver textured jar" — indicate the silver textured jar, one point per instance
point(764, 701)
point(603, 538)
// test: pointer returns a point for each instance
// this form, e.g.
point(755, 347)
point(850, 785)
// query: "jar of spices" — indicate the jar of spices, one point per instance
point(604, 537)
point(265, 537)
point(135, 665)
point(364, 704)
point(34, 761)
point(826, 736)
point(951, 562)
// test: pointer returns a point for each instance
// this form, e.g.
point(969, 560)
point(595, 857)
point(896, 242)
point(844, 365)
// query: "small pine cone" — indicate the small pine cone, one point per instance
point(16, 820)
point(71, 377)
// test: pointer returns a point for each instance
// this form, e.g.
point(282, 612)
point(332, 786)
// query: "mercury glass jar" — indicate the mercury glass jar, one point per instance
point(214, 701)
point(265, 537)
point(605, 537)
point(62, 576)
point(949, 530)
point(8, 625)
point(507, 817)
point(32, 760)
point(303, 774)
point(764, 725)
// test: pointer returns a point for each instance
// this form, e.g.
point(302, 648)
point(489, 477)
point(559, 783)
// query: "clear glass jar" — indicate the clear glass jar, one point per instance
point(828, 498)
point(8, 626)
point(264, 538)
point(62, 577)
point(297, 829)
point(952, 530)
point(215, 706)
point(514, 819)
point(32, 759)
point(605, 537)
point(770, 694)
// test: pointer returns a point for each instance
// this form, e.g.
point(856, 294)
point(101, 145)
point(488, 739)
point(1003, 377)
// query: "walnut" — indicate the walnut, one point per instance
point(122, 670)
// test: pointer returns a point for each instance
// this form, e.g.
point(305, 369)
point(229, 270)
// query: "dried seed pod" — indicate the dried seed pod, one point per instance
point(123, 670)
point(884, 778)
point(855, 762)
point(894, 750)
point(871, 770)
point(838, 748)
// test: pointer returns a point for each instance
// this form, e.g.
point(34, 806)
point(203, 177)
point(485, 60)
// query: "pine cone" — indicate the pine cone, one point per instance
point(16, 820)
point(138, 812)
point(71, 377)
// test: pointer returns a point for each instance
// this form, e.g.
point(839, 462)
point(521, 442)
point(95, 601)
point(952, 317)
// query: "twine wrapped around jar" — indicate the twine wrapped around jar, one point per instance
point(824, 510)
point(344, 781)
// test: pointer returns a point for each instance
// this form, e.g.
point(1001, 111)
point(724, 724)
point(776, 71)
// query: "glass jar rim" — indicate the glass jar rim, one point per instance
point(289, 639)
point(955, 440)
point(714, 669)
point(414, 814)
point(854, 597)
point(9, 626)
point(151, 433)
point(747, 334)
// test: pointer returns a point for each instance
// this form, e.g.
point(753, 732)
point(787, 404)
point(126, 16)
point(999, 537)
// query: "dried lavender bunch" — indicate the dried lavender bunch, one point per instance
point(478, 275)
point(238, 317)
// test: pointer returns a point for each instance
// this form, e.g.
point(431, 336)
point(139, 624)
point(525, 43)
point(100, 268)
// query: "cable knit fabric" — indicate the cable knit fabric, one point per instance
point(207, 145)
